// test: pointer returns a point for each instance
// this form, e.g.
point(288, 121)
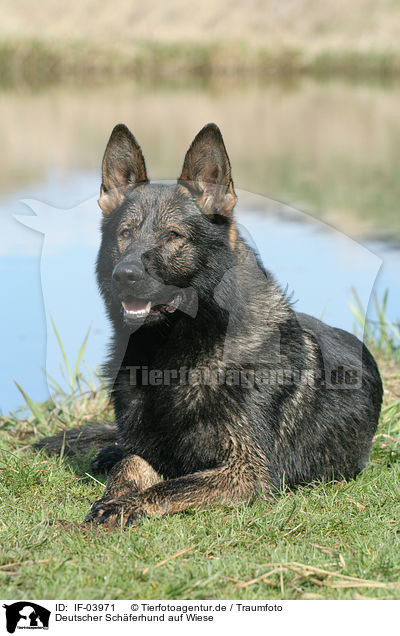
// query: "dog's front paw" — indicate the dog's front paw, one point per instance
point(116, 512)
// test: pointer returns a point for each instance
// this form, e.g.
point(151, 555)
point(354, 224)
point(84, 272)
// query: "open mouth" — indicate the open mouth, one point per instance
point(138, 308)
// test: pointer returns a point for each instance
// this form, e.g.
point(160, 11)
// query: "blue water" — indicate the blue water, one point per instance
point(47, 270)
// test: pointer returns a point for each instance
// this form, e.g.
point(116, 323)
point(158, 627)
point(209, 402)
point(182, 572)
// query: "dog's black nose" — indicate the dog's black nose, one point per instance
point(126, 274)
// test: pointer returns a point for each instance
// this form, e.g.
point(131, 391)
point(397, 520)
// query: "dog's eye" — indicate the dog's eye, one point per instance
point(173, 235)
point(125, 233)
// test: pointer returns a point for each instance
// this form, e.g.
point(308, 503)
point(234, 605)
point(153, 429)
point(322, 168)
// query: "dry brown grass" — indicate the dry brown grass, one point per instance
point(305, 24)
point(162, 40)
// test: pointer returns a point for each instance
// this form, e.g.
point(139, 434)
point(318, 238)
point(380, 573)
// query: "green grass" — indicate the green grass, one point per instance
point(382, 336)
point(332, 541)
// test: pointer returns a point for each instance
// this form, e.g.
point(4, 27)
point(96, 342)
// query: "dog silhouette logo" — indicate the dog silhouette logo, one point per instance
point(26, 615)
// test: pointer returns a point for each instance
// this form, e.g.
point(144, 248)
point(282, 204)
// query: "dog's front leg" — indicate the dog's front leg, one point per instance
point(234, 482)
point(129, 476)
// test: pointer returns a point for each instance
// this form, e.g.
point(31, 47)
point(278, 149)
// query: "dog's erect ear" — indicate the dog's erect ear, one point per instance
point(123, 166)
point(207, 172)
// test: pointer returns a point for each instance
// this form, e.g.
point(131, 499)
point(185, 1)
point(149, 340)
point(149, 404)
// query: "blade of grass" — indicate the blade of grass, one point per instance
point(64, 355)
point(381, 313)
point(36, 410)
point(80, 356)
point(396, 331)
point(55, 384)
point(90, 381)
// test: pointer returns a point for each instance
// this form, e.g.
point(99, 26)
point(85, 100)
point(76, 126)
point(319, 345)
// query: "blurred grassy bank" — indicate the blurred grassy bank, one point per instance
point(157, 39)
point(35, 62)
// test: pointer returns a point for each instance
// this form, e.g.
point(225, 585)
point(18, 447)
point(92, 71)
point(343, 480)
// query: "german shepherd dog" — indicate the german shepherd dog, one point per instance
point(221, 391)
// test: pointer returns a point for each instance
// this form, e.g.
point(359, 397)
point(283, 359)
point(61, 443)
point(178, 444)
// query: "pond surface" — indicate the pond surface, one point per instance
point(331, 151)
